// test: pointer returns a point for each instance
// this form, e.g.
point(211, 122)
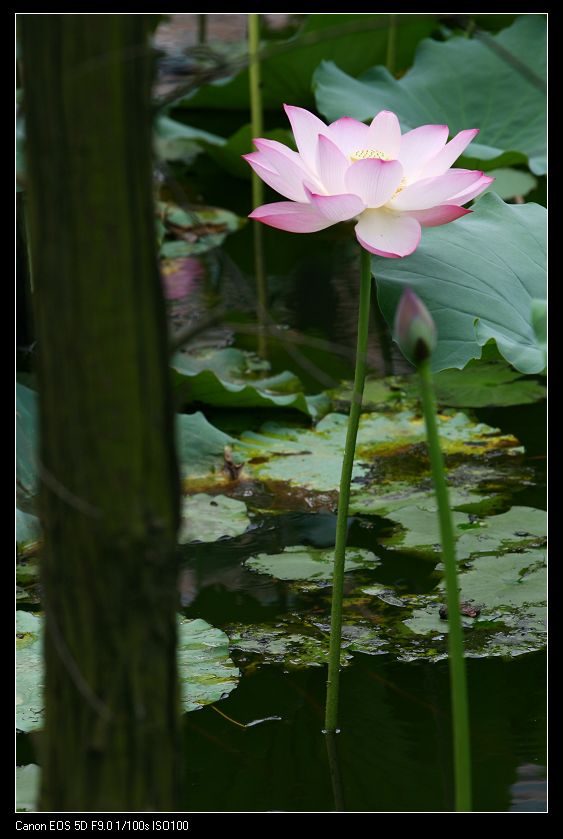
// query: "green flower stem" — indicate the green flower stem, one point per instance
point(331, 717)
point(256, 120)
point(458, 682)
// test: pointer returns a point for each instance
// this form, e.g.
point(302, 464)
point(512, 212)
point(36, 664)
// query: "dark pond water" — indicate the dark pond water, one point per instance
point(395, 746)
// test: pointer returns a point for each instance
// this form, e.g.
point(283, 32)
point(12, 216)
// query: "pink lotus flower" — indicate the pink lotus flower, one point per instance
point(392, 184)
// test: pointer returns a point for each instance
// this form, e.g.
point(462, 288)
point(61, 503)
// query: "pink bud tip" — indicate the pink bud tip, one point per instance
point(414, 330)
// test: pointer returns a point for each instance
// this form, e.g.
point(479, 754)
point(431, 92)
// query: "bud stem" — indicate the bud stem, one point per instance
point(458, 682)
point(331, 717)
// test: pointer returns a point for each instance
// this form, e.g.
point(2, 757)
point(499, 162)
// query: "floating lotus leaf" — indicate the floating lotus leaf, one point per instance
point(29, 671)
point(519, 527)
point(27, 787)
point(206, 518)
point(205, 670)
point(298, 562)
point(388, 444)
point(510, 592)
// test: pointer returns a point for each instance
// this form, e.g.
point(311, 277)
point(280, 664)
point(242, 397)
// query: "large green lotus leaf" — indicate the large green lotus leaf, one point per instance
point(312, 459)
point(497, 85)
point(27, 437)
point(482, 384)
point(539, 323)
point(486, 267)
point(206, 518)
point(353, 41)
point(510, 183)
point(194, 232)
point(510, 591)
point(519, 527)
point(298, 562)
point(384, 500)
point(222, 378)
point(175, 141)
point(206, 672)
point(27, 787)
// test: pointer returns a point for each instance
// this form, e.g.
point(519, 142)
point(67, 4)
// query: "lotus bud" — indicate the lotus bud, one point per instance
point(414, 331)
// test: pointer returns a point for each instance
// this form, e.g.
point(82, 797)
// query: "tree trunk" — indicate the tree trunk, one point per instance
point(109, 496)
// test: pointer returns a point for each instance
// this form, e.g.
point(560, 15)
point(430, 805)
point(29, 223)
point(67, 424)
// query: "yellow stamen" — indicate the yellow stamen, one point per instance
point(366, 154)
point(400, 188)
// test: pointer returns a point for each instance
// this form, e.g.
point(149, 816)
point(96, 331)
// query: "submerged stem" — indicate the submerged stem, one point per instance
point(331, 717)
point(458, 682)
point(256, 120)
point(334, 769)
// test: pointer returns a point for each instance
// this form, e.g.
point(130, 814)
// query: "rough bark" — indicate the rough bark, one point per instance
point(109, 494)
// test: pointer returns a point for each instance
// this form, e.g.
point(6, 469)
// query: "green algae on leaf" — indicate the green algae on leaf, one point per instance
point(205, 670)
point(419, 530)
point(293, 645)
point(387, 443)
point(517, 528)
point(297, 644)
point(393, 496)
point(510, 591)
point(207, 518)
point(298, 562)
